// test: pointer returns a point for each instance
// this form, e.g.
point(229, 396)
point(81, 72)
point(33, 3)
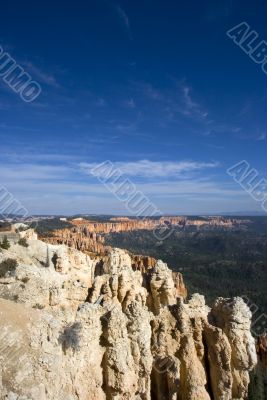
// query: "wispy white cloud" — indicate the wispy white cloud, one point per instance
point(126, 128)
point(35, 179)
point(262, 137)
point(178, 100)
point(190, 106)
point(31, 172)
point(40, 75)
point(130, 103)
point(192, 187)
point(148, 90)
point(32, 157)
point(5, 126)
point(123, 18)
point(213, 128)
point(67, 189)
point(155, 169)
point(100, 102)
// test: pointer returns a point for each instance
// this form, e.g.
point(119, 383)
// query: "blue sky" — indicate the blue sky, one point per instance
point(151, 86)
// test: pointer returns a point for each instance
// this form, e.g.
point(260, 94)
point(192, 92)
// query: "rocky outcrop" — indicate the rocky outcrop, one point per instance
point(234, 317)
point(47, 276)
point(258, 377)
point(143, 263)
point(14, 232)
point(262, 349)
point(79, 239)
point(179, 284)
point(93, 244)
point(73, 330)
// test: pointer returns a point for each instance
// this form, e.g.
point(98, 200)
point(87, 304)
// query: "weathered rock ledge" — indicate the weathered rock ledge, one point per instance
point(74, 329)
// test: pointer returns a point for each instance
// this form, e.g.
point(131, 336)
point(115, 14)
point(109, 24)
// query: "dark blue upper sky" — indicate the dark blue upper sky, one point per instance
point(130, 81)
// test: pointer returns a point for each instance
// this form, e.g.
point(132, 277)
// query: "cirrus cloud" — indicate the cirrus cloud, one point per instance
point(155, 169)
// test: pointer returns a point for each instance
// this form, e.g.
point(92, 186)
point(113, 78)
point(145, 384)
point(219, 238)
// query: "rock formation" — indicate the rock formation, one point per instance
point(79, 239)
point(123, 224)
point(72, 329)
point(262, 349)
point(258, 377)
point(89, 236)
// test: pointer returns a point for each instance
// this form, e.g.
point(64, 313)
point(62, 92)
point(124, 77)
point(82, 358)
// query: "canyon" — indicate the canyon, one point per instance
point(118, 327)
point(89, 236)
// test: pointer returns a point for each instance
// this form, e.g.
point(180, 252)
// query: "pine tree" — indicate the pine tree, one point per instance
point(5, 243)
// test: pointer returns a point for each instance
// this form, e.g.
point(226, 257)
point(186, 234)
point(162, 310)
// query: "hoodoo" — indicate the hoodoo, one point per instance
point(71, 330)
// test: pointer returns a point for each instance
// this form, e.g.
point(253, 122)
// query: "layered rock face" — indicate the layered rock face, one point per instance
point(71, 329)
point(126, 224)
point(79, 239)
point(89, 236)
